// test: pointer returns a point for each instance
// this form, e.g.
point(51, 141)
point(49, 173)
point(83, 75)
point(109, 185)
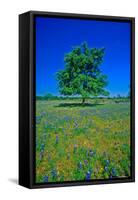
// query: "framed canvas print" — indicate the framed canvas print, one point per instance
point(76, 99)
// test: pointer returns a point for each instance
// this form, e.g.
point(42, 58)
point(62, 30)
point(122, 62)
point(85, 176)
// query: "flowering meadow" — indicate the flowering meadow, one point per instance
point(77, 142)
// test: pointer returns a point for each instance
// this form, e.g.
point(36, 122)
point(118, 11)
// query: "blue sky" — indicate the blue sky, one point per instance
point(56, 36)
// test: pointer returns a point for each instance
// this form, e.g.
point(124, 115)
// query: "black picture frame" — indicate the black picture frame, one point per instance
point(27, 98)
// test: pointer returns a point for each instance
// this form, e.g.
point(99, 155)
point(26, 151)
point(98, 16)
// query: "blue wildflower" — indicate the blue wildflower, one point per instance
point(57, 139)
point(88, 175)
point(107, 162)
point(113, 172)
point(45, 178)
point(54, 173)
point(87, 153)
point(76, 124)
point(43, 113)
point(42, 147)
point(80, 165)
point(106, 168)
point(85, 162)
point(38, 119)
point(91, 153)
point(67, 118)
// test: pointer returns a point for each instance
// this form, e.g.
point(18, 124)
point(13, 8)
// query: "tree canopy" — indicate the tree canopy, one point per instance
point(82, 74)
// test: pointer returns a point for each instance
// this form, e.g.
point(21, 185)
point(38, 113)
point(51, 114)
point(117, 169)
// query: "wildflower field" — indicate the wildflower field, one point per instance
point(82, 142)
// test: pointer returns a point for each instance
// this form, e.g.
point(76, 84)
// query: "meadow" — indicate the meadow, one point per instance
point(82, 142)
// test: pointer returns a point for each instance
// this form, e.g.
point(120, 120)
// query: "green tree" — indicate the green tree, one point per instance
point(82, 74)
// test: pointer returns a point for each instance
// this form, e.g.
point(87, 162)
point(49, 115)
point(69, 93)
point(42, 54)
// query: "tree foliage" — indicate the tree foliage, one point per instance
point(82, 74)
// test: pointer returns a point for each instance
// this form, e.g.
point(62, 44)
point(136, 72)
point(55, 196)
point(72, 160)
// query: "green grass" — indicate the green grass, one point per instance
point(75, 142)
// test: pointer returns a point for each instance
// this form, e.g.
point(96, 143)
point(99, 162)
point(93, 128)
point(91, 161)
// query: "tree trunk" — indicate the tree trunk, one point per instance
point(83, 101)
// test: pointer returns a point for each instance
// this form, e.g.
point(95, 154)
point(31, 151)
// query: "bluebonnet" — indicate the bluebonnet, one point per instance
point(42, 147)
point(88, 175)
point(46, 125)
point(87, 153)
point(80, 165)
point(67, 118)
point(91, 153)
point(106, 168)
point(38, 119)
point(107, 162)
point(76, 124)
point(57, 139)
point(85, 162)
point(43, 113)
point(54, 173)
point(63, 129)
point(45, 178)
point(113, 172)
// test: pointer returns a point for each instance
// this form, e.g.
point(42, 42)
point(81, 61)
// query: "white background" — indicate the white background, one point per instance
point(9, 11)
